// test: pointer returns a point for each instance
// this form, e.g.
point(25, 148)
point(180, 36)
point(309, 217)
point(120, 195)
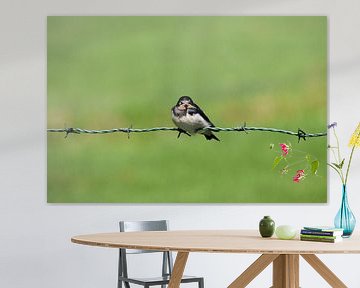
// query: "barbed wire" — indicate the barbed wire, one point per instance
point(300, 133)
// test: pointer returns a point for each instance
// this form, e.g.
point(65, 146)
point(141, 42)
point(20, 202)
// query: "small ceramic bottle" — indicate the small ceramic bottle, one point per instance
point(266, 226)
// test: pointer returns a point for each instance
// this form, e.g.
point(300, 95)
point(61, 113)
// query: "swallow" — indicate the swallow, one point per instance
point(190, 119)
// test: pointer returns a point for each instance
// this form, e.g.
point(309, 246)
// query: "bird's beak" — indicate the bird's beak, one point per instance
point(185, 106)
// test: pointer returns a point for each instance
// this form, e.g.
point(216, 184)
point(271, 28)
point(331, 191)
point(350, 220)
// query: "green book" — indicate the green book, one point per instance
point(325, 240)
point(319, 236)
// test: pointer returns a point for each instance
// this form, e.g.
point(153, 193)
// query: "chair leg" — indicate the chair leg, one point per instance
point(201, 283)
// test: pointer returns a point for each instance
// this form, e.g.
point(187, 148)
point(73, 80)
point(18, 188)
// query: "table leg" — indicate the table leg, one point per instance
point(286, 271)
point(324, 271)
point(178, 270)
point(253, 270)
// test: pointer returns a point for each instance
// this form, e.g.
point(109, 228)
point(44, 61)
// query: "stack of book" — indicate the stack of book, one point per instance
point(321, 234)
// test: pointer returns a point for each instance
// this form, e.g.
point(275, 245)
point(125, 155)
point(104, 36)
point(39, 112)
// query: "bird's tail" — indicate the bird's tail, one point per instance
point(211, 136)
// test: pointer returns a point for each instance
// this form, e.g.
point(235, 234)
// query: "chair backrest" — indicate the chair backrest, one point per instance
point(134, 226)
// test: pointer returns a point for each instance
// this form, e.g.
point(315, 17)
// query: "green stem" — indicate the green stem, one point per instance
point(337, 171)
point(348, 167)
point(339, 160)
point(333, 152)
point(338, 146)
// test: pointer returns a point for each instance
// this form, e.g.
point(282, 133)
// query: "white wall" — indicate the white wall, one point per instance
point(35, 248)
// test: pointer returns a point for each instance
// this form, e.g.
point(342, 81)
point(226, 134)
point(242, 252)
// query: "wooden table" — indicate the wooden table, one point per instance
point(284, 254)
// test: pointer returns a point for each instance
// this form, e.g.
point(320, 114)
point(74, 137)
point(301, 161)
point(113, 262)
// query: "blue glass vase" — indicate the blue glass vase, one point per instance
point(345, 219)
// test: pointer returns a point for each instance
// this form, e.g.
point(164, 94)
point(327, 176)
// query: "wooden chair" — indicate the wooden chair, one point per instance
point(167, 262)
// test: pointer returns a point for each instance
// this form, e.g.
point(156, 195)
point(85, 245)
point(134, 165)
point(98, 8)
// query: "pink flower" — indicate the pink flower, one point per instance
point(285, 149)
point(300, 174)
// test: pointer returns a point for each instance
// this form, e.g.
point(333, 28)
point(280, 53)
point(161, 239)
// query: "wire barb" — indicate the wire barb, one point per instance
point(300, 134)
point(128, 131)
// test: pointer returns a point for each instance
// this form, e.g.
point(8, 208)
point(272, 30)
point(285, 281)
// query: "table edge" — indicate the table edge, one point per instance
point(206, 250)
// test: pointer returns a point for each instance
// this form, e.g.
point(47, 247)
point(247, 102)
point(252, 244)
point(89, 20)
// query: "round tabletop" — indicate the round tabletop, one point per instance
point(220, 241)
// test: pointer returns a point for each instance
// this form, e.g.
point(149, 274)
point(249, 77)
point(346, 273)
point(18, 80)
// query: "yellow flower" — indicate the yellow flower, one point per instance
point(355, 137)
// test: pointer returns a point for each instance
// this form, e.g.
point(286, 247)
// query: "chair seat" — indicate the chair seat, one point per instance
point(158, 280)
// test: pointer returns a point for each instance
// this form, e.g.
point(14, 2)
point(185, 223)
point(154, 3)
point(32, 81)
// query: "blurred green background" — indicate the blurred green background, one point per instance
point(111, 72)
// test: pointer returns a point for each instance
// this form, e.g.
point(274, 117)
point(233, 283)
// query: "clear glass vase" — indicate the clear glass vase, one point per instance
point(345, 219)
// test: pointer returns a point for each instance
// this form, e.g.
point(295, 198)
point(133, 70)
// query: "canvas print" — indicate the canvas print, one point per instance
point(186, 109)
